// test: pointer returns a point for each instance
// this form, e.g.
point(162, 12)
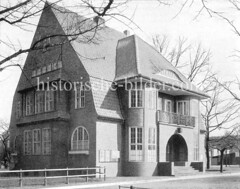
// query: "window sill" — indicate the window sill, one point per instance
point(79, 152)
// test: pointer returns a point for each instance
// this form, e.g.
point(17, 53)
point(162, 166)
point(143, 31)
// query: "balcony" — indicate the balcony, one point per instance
point(173, 118)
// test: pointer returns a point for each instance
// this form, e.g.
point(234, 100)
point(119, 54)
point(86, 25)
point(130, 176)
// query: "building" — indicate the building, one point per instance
point(231, 153)
point(143, 120)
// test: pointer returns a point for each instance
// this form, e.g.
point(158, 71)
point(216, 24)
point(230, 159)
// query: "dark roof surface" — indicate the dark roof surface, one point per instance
point(135, 57)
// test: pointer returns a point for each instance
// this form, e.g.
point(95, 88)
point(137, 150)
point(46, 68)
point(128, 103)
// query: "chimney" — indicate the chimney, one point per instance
point(126, 32)
point(99, 21)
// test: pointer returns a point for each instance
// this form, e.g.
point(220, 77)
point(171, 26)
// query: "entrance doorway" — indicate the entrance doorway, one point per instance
point(176, 149)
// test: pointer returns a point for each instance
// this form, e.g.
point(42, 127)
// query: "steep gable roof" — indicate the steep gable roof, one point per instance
point(97, 55)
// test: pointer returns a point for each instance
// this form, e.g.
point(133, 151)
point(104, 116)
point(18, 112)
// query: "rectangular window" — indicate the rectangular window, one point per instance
point(29, 104)
point(39, 71)
point(135, 98)
point(182, 107)
point(33, 73)
point(18, 109)
point(49, 100)
point(168, 105)
point(27, 142)
point(195, 150)
point(54, 65)
point(46, 141)
point(39, 102)
point(80, 97)
point(44, 69)
point(151, 98)
point(36, 142)
point(136, 144)
point(49, 67)
point(159, 103)
point(152, 145)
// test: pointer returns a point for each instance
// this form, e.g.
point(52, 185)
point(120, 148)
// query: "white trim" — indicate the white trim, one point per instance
point(136, 98)
point(136, 144)
point(75, 130)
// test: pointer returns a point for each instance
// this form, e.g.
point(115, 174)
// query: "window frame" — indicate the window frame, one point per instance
point(38, 104)
point(138, 104)
point(152, 97)
point(152, 143)
point(49, 97)
point(184, 111)
point(85, 149)
point(165, 105)
point(139, 154)
point(27, 143)
point(18, 109)
point(80, 97)
point(29, 104)
point(49, 142)
point(37, 142)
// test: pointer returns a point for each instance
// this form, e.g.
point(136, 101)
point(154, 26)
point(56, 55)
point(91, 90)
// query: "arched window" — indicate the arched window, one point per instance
point(80, 139)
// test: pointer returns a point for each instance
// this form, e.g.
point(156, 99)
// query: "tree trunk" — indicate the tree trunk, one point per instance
point(221, 160)
point(207, 149)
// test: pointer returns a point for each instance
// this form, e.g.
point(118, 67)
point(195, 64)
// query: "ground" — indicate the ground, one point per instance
point(232, 182)
point(212, 179)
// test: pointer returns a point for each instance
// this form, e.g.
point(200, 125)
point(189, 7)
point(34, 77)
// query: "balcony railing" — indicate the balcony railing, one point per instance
point(173, 118)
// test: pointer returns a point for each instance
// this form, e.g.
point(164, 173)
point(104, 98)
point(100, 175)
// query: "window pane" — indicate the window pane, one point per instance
point(139, 135)
point(133, 98)
point(80, 140)
point(133, 135)
point(139, 98)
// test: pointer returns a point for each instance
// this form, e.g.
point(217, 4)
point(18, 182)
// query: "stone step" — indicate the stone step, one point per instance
point(185, 170)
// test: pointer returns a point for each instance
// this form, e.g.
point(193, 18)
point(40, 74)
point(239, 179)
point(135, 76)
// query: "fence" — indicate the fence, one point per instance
point(131, 187)
point(96, 172)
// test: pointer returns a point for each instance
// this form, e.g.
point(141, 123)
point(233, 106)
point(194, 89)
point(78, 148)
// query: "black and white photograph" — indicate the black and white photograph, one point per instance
point(120, 94)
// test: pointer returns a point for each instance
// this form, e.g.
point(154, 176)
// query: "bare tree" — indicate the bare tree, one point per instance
point(222, 144)
point(20, 15)
point(218, 112)
point(5, 155)
point(193, 61)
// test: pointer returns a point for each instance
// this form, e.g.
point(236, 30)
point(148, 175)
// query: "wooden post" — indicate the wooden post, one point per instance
point(87, 175)
point(20, 178)
point(104, 171)
point(131, 187)
point(45, 177)
point(67, 176)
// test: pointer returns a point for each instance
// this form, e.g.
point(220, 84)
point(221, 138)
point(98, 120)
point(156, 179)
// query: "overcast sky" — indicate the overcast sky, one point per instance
point(152, 18)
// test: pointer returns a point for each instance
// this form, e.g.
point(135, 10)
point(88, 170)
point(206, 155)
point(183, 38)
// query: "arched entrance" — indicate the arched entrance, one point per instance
point(176, 149)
